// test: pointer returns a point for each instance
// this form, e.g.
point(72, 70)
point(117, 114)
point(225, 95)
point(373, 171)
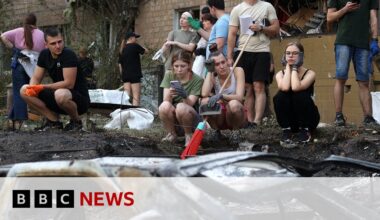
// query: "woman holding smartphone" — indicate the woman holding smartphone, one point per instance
point(182, 89)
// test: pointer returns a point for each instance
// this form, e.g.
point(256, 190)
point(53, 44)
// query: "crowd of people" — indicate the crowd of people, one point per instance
point(211, 62)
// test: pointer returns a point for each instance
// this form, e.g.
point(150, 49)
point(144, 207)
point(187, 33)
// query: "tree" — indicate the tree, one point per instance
point(4, 8)
point(113, 18)
point(4, 22)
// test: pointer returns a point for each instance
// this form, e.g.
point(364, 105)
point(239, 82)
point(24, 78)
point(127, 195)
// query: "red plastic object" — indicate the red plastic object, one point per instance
point(193, 146)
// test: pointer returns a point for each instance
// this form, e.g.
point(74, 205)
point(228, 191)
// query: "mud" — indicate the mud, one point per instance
point(22, 146)
point(28, 146)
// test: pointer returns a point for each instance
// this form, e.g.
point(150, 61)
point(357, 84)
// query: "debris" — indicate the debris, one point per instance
point(265, 148)
point(245, 146)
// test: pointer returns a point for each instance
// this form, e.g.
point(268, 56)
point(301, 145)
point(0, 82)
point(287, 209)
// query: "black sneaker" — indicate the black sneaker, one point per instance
point(340, 120)
point(370, 122)
point(286, 139)
point(50, 125)
point(73, 126)
point(251, 125)
point(304, 136)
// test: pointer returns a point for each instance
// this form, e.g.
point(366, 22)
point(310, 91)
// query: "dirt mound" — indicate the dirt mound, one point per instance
point(28, 146)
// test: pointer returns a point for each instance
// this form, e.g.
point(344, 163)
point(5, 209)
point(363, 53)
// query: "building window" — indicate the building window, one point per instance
point(195, 11)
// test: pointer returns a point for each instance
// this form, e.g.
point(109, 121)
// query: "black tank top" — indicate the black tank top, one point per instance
point(310, 89)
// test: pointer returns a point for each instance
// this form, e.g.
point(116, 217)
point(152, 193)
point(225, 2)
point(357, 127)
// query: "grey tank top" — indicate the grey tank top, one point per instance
point(230, 90)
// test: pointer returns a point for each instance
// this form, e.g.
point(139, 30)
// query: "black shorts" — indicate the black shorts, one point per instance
point(47, 96)
point(256, 66)
point(130, 78)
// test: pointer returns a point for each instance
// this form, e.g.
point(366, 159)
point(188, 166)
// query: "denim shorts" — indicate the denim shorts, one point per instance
point(344, 54)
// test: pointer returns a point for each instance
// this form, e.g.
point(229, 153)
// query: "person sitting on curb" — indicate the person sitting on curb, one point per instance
point(231, 98)
point(181, 91)
point(68, 94)
point(293, 104)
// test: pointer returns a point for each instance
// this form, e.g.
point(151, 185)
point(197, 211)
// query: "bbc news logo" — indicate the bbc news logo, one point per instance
point(43, 198)
point(66, 199)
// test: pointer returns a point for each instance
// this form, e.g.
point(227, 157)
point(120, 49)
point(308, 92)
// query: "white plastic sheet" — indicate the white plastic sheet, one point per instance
point(199, 66)
point(135, 118)
point(29, 62)
point(109, 96)
point(376, 106)
point(159, 55)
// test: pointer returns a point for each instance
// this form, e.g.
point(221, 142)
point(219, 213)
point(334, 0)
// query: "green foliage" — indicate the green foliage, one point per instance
point(5, 79)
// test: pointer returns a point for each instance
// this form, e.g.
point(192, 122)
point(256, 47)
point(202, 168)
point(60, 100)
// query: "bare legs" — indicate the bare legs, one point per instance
point(63, 98)
point(182, 115)
point(134, 91)
point(255, 101)
point(234, 117)
point(339, 94)
point(364, 96)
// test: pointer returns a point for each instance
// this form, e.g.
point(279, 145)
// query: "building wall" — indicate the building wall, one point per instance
point(320, 57)
point(155, 20)
point(48, 12)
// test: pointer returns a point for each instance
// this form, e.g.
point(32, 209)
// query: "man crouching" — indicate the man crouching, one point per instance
point(67, 94)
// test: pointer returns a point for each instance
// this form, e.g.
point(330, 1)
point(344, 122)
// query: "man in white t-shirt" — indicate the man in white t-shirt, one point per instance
point(256, 57)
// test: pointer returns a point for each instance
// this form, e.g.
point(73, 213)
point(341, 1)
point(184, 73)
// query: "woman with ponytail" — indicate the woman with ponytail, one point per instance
point(26, 42)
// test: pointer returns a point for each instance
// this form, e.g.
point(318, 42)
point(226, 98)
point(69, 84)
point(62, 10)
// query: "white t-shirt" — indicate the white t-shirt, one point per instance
point(259, 11)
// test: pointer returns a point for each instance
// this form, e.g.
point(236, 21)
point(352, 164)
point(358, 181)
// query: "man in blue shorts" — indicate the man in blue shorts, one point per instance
point(357, 23)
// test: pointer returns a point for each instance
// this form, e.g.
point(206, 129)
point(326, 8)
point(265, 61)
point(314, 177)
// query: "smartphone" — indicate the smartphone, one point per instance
point(175, 84)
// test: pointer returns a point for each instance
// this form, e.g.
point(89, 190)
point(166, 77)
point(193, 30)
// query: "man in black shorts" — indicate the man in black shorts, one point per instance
point(255, 59)
point(67, 94)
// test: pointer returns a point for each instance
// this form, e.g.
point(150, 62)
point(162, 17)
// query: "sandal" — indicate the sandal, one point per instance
point(14, 125)
point(170, 137)
point(187, 138)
